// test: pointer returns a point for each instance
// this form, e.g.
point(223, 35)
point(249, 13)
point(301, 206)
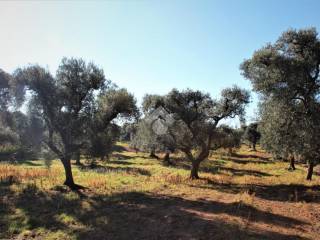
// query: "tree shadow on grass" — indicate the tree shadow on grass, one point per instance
point(280, 192)
point(120, 162)
point(135, 215)
point(107, 169)
point(216, 169)
point(119, 156)
point(118, 148)
point(245, 161)
point(36, 210)
point(235, 171)
point(250, 156)
point(35, 163)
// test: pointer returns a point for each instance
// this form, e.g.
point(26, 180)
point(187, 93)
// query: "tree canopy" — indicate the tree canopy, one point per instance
point(67, 102)
point(286, 75)
point(197, 116)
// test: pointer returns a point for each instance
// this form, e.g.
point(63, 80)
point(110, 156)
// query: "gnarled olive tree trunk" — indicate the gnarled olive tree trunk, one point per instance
point(310, 170)
point(196, 161)
point(153, 154)
point(77, 157)
point(66, 161)
point(65, 158)
point(167, 158)
point(292, 165)
point(254, 147)
point(195, 169)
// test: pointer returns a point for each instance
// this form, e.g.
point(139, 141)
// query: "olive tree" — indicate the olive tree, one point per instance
point(103, 132)
point(6, 99)
point(281, 134)
point(252, 135)
point(11, 92)
point(153, 107)
point(5, 90)
point(66, 102)
point(227, 138)
point(288, 72)
point(29, 129)
point(100, 144)
point(19, 129)
point(127, 131)
point(197, 116)
point(145, 139)
point(7, 136)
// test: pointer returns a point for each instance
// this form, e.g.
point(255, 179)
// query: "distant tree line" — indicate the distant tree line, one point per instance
point(77, 107)
point(78, 112)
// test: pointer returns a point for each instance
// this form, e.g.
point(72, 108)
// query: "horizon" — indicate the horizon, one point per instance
point(148, 46)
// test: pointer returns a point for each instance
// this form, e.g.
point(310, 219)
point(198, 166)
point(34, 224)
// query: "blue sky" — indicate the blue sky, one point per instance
point(150, 46)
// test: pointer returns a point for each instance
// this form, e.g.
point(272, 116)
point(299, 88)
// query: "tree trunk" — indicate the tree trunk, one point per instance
point(196, 161)
point(167, 158)
point(310, 171)
point(67, 168)
point(195, 169)
point(254, 147)
point(153, 154)
point(292, 166)
point(77, 157)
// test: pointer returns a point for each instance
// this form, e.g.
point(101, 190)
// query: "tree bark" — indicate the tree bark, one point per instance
point(67, 168)
point(292, 166)
point(167, 158)
point(195, 169)
point(197, 160)
point(310, 171)
point(153, 155)
point(77, 157)
point(254, 147)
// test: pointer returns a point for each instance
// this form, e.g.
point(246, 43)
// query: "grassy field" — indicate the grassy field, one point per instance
point(244, 196)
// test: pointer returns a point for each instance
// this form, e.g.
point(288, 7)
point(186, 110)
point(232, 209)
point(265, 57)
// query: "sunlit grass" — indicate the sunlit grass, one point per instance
point(235, 179)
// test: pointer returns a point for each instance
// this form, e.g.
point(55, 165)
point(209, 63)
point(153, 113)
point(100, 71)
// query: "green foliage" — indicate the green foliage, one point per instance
point(151, 102)
point(103, 132)
point(128, 131)
point(145, 138)
point(48, 156)
point(195, 118)
point(64, 102)
point(34, 207)
point(286, 74)
point(280, 131)
point(68, 104)
point(7, 136)
point(116, 103)
point(30, 130)
point(100, 144)
point(198, 115)
point(252, 135)
point(227, 138)
point(5, 90)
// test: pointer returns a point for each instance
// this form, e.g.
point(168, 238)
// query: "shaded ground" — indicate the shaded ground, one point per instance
point(133, 197)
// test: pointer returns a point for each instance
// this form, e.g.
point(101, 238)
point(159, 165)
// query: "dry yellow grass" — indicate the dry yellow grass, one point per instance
point(16, 173)
point(244, 196)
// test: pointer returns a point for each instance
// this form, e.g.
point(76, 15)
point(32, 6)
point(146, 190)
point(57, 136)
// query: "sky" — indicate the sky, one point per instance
point(150, 46)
